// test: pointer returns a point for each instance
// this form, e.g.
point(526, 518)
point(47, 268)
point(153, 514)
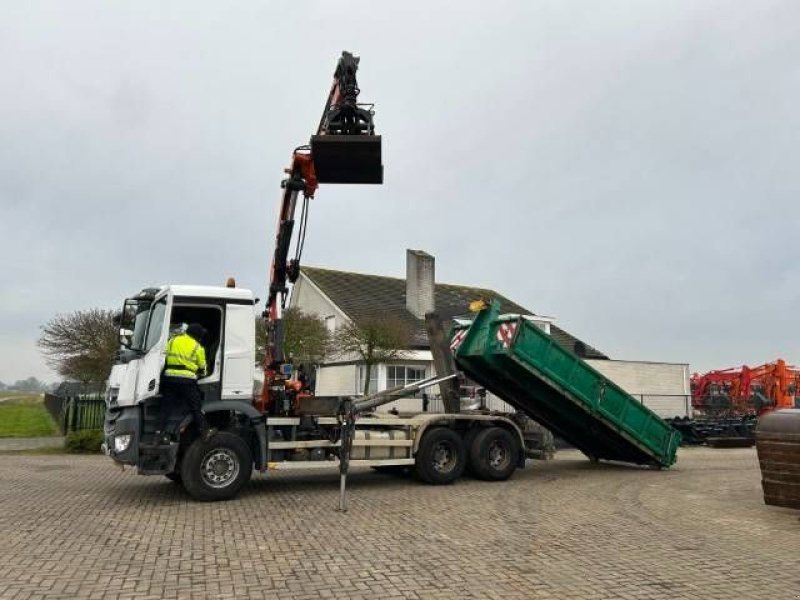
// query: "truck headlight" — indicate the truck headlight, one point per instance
point(121, 442)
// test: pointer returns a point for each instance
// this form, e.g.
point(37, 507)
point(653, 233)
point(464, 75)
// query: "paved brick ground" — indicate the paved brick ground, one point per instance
point(77, 527)
point(34, 443)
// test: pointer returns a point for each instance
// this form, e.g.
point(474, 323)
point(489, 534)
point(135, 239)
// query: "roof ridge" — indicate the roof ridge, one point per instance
point(351, 272)
point(436, 283)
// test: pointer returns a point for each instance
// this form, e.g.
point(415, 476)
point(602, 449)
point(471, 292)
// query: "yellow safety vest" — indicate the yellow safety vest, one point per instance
point(185, 357)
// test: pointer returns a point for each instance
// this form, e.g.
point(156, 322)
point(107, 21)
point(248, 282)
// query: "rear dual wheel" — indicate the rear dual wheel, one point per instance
point(441, 457)
point(493, 454)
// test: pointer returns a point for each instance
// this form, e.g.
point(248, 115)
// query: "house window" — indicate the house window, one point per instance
point(330, 323)
point(373, 379)
point(403, 375)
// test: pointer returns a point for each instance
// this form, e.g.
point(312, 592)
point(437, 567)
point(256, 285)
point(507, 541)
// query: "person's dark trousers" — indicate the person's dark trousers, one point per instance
point(183, 393)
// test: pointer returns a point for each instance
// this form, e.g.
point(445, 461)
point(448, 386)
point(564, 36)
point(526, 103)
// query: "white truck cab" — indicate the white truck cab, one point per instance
point(227, 314)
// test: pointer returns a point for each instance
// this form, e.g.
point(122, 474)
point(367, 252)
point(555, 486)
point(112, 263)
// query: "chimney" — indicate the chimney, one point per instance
point(420, 279)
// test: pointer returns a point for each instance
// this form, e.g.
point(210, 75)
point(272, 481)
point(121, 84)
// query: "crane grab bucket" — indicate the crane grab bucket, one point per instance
point(347, 158)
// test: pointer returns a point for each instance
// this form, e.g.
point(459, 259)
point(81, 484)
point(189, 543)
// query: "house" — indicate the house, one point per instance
point(339, 296)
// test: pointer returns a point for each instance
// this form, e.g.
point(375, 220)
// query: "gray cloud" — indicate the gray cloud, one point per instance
point(628, 168)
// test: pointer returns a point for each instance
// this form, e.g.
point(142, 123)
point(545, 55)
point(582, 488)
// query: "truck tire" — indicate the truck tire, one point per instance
point(441, 457)
point(493, 454)
point(217, 468)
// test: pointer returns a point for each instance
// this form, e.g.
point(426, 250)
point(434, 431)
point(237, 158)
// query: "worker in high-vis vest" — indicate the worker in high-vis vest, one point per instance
point(184, 364)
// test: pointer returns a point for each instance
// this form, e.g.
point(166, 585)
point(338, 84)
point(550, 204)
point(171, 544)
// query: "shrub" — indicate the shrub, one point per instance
point(84, 442)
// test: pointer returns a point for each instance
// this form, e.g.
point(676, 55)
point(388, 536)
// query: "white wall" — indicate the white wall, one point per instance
point(308, 298)
point(663, 386)
point(336, 380)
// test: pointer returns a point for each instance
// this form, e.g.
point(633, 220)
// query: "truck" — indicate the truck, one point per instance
point(266, 418)
point(302, 431)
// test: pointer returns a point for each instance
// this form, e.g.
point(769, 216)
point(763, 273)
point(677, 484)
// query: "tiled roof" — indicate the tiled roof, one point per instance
point(362, 296)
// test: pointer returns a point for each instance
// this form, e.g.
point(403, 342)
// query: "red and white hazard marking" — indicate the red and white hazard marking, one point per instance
point(457, 339)
point(505, 333)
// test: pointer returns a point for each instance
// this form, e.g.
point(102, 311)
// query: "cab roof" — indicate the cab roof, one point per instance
point(209, 291)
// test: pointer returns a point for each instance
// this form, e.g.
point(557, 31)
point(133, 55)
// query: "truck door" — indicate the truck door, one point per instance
point(155, 346)
point(240, 343)
point(210, 315)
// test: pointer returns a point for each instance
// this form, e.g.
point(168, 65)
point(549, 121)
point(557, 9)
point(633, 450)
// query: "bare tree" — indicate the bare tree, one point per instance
point(374, 340)
point(81, 345)
point(306, 337)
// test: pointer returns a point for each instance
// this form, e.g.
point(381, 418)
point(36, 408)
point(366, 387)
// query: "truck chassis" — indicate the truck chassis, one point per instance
point(437, 448)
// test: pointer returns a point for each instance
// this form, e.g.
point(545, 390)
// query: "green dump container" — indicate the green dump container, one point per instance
point(523, 365)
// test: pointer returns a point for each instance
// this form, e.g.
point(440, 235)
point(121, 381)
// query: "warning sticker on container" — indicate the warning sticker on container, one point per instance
point(505, 333)
point(457, 339)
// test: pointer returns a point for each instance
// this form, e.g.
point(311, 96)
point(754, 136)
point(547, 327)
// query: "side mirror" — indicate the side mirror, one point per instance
point(125, 337)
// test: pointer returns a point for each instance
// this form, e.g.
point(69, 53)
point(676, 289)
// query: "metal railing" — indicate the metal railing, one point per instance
point(79, 407)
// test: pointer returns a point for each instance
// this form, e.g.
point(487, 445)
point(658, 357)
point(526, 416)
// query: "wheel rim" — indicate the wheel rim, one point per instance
point(444, 457)
point(219, 468)
point(499, 455)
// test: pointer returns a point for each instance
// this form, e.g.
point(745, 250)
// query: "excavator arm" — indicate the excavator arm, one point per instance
point(776, 382)
point(344, 149)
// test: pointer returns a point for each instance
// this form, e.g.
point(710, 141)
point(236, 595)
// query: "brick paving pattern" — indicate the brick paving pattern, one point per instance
point(77, 527)
point(34, 443)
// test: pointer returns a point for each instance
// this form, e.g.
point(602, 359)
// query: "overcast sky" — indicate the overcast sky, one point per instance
point(627, 167)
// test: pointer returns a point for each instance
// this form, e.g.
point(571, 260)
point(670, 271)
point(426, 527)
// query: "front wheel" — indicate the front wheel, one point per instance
point(217, 468)
point(441, 457)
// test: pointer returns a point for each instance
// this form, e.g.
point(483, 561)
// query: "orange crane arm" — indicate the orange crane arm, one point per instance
point(344, 149)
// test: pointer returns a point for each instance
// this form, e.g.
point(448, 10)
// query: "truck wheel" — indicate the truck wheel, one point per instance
point(441, 457)
point(217, 468)
point(493, 454)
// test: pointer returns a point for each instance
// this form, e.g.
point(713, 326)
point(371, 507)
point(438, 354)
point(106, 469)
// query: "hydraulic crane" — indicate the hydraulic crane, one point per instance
point(344, 149)
point(283, 425)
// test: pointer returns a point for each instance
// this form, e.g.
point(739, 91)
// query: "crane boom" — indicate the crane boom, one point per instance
point(344, 149)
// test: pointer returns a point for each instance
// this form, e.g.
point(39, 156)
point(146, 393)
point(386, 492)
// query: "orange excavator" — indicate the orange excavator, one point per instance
point(773, 386)
point(728, 402)
point(746, 390)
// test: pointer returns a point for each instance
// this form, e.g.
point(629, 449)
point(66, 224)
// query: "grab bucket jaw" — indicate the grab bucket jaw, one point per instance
point(347, 158)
